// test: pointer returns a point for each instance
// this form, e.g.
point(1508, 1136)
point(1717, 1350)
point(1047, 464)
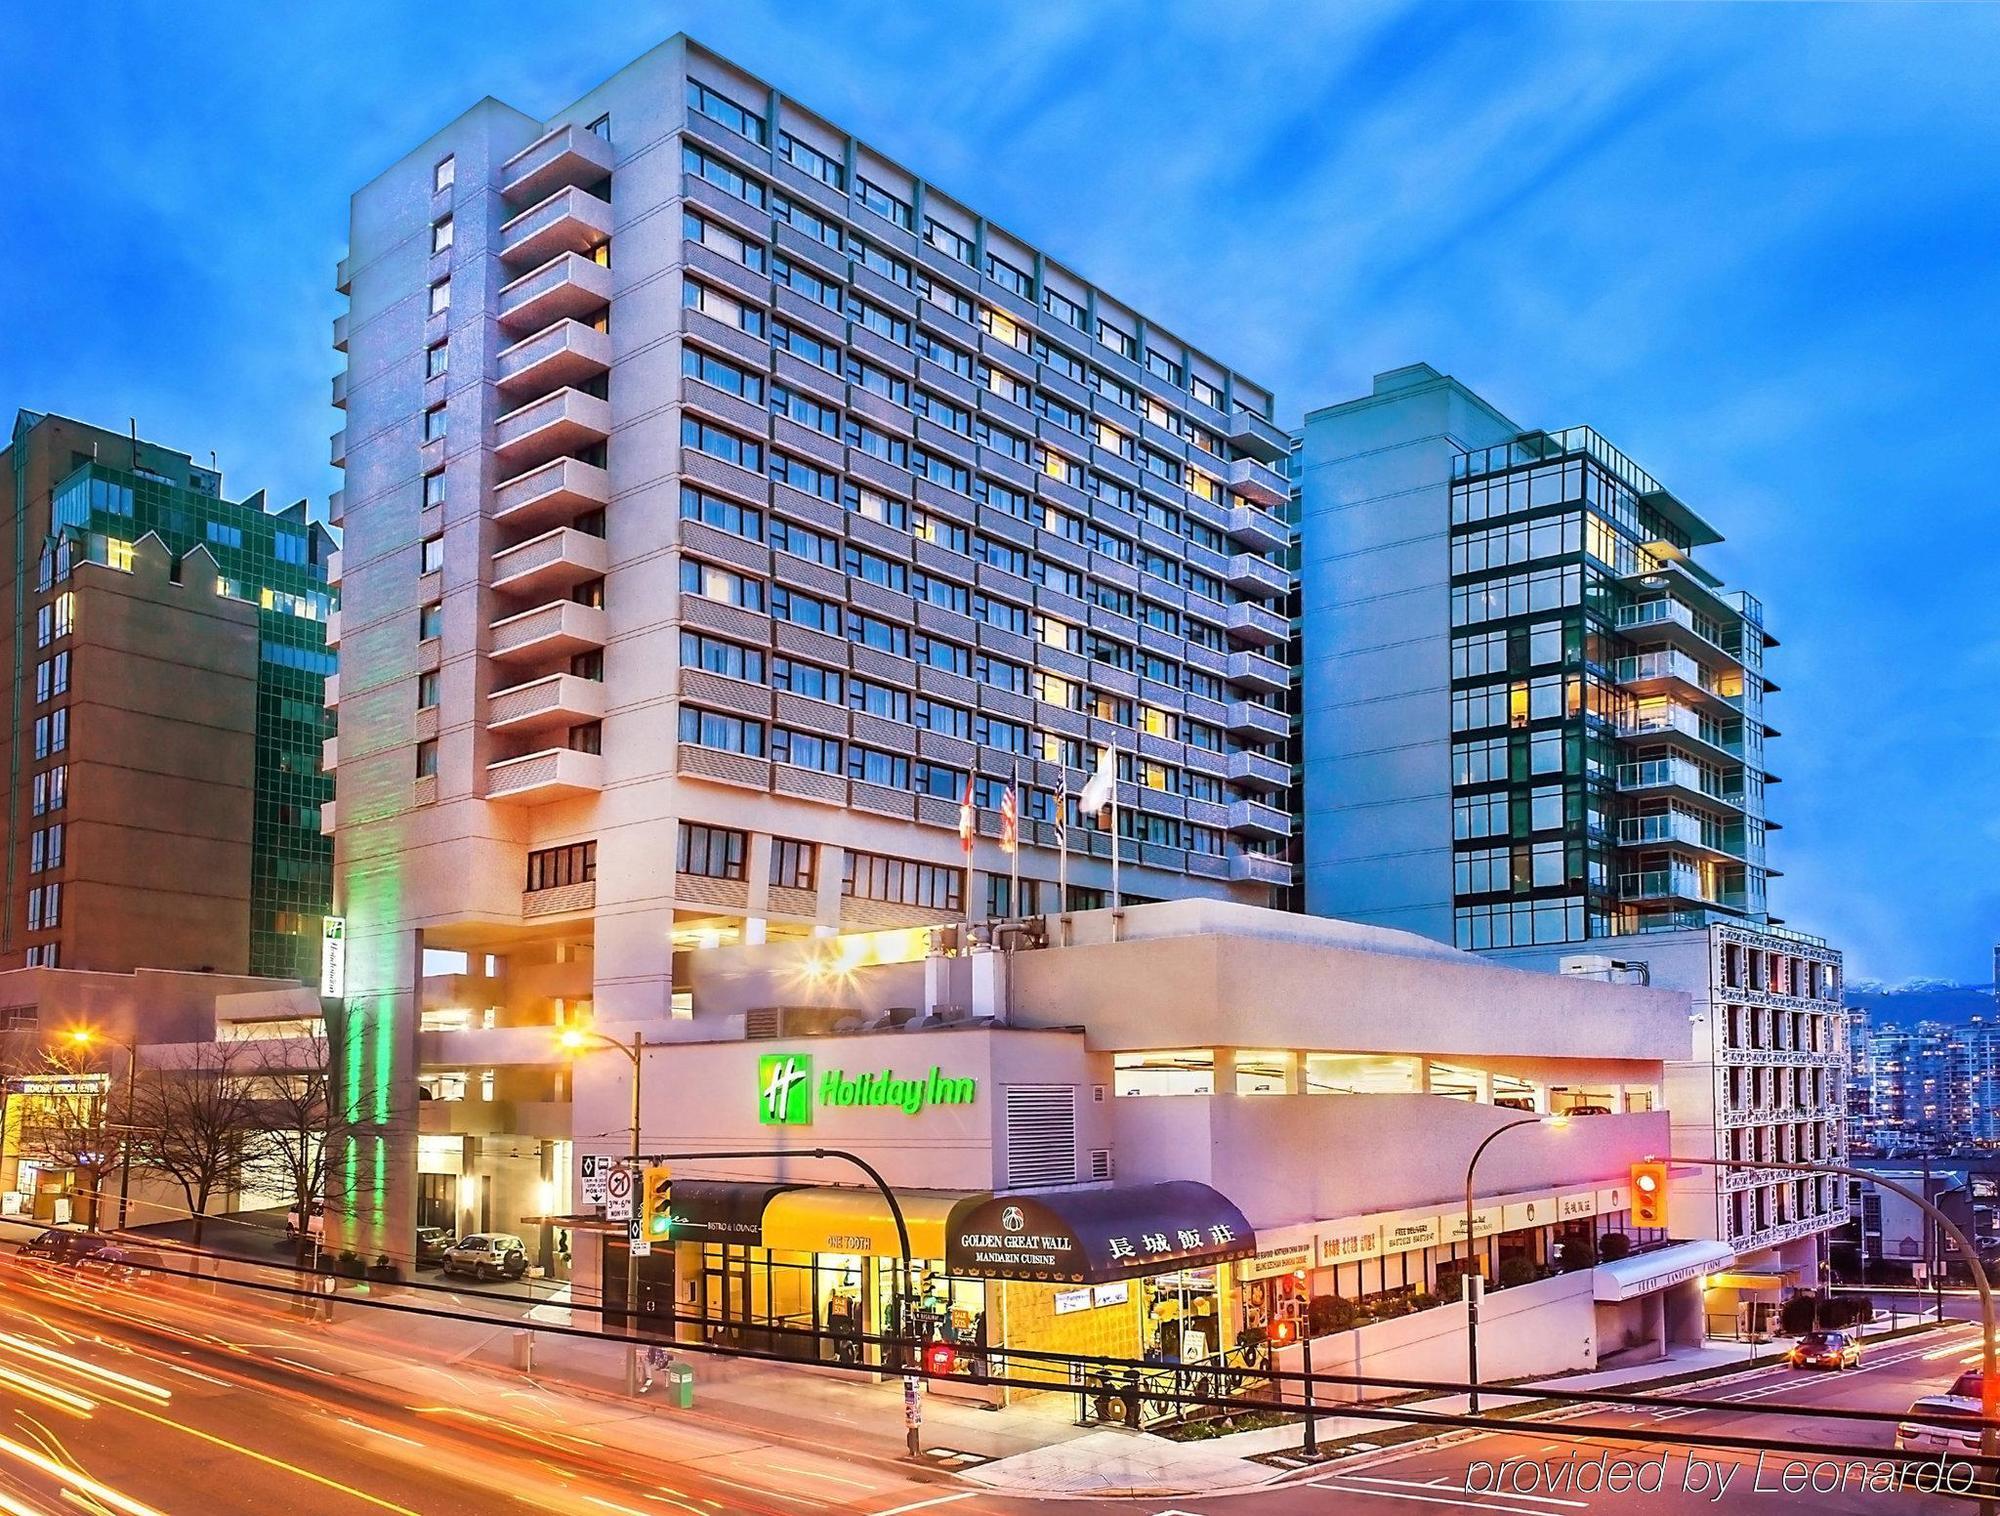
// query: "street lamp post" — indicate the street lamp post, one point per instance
point(574, 1039)
point(1989, 1370)
point(84, 1037)
point(1474, 1279)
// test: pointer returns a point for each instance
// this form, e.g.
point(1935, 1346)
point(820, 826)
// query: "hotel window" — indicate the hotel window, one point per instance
point(876, 506)
point(870, 256)
point(440, 297)
point(727, 734)
point(720, 239)
point(805, 750)
point(1120, 342)
point(719, 107)
point(445, 174)
point(871, 876)
point(1063, 309)
point(553, 867)
point(716, 656)
point(794, 865)
point(723, 514)
point(713, 852)
point(434, 488)
point(722, 374)
point(1005, 274)
point(441, 233)
point(808, 680)
point(427, 690)
point(437, 358)
point(717, 443)
point(719, 307)
point(430, 621)
point(809, 159)
point(427, 759)
point(869, 765)
point(1000, 673)
point(430, 555)
point(873, 197)
point(435, 418)
point(948, 241)
point(722, 176)
point(805, 610)
point(601, 127)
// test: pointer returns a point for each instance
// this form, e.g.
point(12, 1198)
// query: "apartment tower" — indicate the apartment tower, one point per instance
point(1535, 725)
point(724, 503)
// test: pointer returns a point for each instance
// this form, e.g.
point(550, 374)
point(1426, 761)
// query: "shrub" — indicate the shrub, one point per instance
point(1422, 1300)
point(1613, 1246)
point(1798, 1315)
point(1516, 1270)
point(1326, 1314)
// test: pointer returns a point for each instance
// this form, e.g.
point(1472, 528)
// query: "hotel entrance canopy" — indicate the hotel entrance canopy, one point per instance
point(1095, 1236)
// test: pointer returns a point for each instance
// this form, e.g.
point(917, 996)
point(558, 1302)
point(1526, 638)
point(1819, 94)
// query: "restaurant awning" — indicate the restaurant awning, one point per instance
point(1643, 1273)
point(720, 1210)
point(839, 1219)
point(1095, 1236)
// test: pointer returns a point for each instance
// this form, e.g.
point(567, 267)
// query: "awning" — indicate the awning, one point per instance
point(840, 1219)
point(717, 1210)
point(1753, 1281)
point(1095, 1236)
point(578, 1222)
point(1657, 1269)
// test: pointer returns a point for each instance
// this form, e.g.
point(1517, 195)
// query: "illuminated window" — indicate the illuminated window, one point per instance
point(1158, 723)
point(118, 554)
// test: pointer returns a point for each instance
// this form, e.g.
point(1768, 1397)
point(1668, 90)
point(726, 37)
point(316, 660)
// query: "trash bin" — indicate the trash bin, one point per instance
point(680, 1384)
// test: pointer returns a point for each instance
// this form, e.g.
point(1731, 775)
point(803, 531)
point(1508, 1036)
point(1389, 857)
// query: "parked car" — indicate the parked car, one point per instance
point(118, 1264)
point(487, 1255)
point(1916, 1434)
point(315, 1224)
point(432, 1242)
point(62, 1246)
point(1588, 1110)
point(1825, 1350)
point(1513, 1102)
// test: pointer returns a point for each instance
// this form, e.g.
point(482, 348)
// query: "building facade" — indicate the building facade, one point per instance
point(1535, 727)
point(169, 666)
point(719, 491)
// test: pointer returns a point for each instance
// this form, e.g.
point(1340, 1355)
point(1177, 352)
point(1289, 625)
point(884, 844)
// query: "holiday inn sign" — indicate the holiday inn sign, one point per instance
point(787, 1089)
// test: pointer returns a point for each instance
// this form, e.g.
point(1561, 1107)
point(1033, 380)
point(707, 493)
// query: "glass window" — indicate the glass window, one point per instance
point(719, 107)
point(445, 174)
point(427, 759)
point(441, 235)
point(713, 852)
point(440, 297)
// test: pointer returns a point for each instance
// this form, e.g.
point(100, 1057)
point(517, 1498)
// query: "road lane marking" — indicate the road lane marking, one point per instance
point(859, 1484)
point(1432, 1484)
point(918, 1505)
point(1466, 1505)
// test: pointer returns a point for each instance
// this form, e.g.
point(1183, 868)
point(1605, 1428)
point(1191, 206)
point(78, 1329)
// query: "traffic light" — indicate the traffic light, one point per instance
point(1649, 1194)
point(656, 1200)
point(940, 1358)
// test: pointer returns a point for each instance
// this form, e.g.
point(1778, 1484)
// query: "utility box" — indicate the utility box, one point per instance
point(680, 1385)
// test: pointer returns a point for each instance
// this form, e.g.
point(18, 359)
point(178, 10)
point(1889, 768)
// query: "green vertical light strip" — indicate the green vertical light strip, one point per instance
point(379, 1196)
point(385, 1062)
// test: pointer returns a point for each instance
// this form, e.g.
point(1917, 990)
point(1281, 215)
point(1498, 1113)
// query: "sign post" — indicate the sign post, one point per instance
point(637, 1240)
point(594, 1179)
point(913, 1414)
point(618, 1195)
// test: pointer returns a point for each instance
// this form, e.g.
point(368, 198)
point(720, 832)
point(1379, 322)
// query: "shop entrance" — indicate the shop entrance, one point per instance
point(654, 1315)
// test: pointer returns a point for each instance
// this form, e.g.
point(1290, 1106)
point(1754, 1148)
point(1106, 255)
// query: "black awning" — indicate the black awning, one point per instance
point(1095, 1236)
point(720, 1210)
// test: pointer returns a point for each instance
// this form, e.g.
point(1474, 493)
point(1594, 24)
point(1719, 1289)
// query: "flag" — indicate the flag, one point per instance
point(1010, 822)
point(1062, 808)
point(968, 818)
point(1102, 785)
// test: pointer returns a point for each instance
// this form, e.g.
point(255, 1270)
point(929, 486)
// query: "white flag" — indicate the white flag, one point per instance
point(1097, 790)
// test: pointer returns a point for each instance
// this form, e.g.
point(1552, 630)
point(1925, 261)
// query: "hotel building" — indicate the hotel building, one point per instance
point(719, 491)
point(1537, 727)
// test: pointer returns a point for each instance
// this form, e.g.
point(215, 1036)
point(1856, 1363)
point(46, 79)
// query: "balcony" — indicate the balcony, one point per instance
point(1677, 624)
point(1253, 671)
point(556, 773)
point(553, 702)
point(1257, 576)
point(542, 429)
point(1676, 723)
point(337, 448)
point(1688, 830)
point(333, 567)
point(343, 276)
point(340, 390)
point(571, 220)
point(330, 697)
point(1258, 771)
point(329, 754)
point(326, 818)
point(1666, 884)
point(1247, 621)
point(1258, 483)
point(1257, 529)
point(551, 563)
point(1246, 718)
point(1259, 868)
point(567, 155)
point(555, 630)
point(1252, 818)
point(1673, 673)
point(333, 628)
point(340, 332)
point(557, 492)
point(1253, 434)
point(567, 285)
point(336, 507)
point(1677, 778)
point(565, 353)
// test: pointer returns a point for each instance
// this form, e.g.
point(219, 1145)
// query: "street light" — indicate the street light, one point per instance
point(575, 1040)
point(1474, 1280)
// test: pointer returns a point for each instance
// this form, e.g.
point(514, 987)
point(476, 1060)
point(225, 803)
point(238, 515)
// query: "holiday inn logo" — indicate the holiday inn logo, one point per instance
point(786, 1089)
point(784, 1083)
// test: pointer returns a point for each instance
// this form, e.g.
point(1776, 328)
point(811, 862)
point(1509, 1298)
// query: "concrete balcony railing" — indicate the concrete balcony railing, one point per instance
point(343, 276)
point(1689, 830)
point(1677, 776)
point(336, 506)
point(337, 448)
point(569, 284)
point(557, 423)
point(326, 822)
point(1253, 434)
point(1258, 483)
point(333, 628)
point(1652, 722)
point(551, 702)
point(1257, 771)
point(1257, 529)
point(1666, 884)
point(1254, 671)
point(340, 390)
point(1248, 621)
point(557, 492)
point(1246, 718)
point(329, 754)
point(332, 695)
point(555, 630)
point(340, 332)
point(550, 563)
point(333, 567)
point(569, 154)
point(571, 220)
point(556, 773)
point(1252, 818)
point(1259, 868)
point(563, 353)
point(1259, 577)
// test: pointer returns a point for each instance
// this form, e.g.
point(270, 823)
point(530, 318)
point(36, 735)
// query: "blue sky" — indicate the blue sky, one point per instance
point(1753, 245)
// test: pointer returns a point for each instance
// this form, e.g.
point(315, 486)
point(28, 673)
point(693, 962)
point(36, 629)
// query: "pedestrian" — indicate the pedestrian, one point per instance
point(656, 1360)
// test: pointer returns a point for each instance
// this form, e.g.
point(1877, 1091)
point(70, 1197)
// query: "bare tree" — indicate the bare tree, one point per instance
point(292, 1103)
point(65, 1122)
point(194, 1120)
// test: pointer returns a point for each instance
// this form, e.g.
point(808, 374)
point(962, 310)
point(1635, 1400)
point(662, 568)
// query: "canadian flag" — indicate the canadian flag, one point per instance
point(1010, 822)
point(968, 820)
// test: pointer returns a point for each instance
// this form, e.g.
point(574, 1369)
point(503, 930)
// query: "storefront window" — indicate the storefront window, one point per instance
point(1166, 1073)
point(1182, 1317)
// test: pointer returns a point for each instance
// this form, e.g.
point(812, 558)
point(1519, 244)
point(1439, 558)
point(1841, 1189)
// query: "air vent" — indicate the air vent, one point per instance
point(1097, 1094)
point(1100, 1163)
point(1041, 1134)
point(765, 1022)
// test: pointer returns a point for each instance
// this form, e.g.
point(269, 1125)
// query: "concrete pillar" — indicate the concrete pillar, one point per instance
point(757, 874)
point(832, 867)
point(634, 979)
point(372, 1044)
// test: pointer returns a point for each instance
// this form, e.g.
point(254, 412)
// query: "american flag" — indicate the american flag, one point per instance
point(1010, 821)
point(1062, 810)
point(968, 821)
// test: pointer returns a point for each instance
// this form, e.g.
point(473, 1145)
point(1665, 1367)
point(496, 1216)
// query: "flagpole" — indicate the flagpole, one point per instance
point(1062, 839)
point(1014, 887)
point(1117, 895)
